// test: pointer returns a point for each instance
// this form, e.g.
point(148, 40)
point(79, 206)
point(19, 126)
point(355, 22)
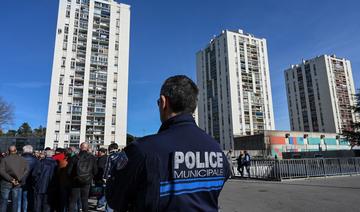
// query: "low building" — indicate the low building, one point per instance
point(273, 143)
point(38, 143)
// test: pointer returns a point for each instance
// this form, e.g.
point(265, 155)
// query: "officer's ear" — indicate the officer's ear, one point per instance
point(164, 102)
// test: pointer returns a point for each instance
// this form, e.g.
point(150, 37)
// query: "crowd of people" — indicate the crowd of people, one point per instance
point(243, 163)
point(55, 180)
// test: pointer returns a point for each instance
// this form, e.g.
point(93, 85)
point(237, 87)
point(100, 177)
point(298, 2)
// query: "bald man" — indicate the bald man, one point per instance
point(13, 169)
point(82, 169)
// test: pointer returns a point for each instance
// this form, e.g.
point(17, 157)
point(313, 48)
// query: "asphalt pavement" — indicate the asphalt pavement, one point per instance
point(315, 194)
point(303, 195)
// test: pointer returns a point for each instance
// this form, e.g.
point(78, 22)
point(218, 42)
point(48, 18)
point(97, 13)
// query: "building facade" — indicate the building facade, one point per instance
point(320, 93)
point(89, 84)
point(274, 143)
point(234, 82)
point(20, 141)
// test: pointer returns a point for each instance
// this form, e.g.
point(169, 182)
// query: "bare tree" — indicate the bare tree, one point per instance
point(6, 113)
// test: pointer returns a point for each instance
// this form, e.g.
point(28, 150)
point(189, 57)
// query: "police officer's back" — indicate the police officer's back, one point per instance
point(180, 168)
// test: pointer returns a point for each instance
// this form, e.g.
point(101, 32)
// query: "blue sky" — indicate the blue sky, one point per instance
point(165, 36)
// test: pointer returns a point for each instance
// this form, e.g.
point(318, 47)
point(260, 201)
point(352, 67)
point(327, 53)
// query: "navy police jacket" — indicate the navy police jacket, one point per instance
point(180, 168)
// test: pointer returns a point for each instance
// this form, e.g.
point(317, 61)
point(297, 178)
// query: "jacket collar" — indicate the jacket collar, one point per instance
point(177, 120)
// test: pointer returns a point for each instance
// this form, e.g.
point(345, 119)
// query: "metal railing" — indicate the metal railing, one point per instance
point(300, 168)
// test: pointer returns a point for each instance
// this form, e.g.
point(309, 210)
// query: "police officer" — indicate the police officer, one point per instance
point(180, 168)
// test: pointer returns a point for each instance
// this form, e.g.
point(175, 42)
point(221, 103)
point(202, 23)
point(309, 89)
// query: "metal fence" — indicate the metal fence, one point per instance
point(301, 168)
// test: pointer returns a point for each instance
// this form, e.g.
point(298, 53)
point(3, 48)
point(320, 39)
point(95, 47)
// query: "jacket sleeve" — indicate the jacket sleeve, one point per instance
point(107, 168)
point(95, 167)
point(3, 172)
point(125, 184)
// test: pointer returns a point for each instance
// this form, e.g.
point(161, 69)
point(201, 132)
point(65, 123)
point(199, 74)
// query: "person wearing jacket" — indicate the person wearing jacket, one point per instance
point(63, 182)
point(13, 170)
point(45, 183)
point(28, 197)
point(247, 162)
point(240, 164)
point(115, 161)
point(181, 168)
point(98, 178)
point(82, 169)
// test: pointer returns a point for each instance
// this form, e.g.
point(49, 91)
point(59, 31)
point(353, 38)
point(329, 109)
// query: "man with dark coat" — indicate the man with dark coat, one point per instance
point(247, 162)
point(99, 180)
point(13, 170)
point(82, 169)
point(45, 187)
point(181, 168)
point(240, 164)
point(28, 197)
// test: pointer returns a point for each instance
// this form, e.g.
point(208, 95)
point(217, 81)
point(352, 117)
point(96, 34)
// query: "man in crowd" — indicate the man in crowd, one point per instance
point(28, 189)
point(45, 185)
point(82, 169)
point(180, 168)
point(63, 181)
point(99, 180)
point(115, 161)
point(13, 169)
point(240, 164)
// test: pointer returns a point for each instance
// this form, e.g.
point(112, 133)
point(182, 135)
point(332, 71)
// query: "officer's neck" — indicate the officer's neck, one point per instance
point(169, 115)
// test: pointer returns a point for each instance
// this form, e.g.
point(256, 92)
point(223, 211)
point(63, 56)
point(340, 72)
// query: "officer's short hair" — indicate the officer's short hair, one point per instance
point(182, 93)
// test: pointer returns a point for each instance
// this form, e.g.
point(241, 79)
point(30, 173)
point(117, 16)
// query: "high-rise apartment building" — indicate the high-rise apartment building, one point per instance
point(234, 82)
point(89, 84)
point(320, 94)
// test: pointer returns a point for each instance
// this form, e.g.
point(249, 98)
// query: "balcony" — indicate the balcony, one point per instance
point(78, 95)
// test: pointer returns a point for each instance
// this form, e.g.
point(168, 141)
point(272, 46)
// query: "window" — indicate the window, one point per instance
point(63, 60)
point(67, 13)
point(61, 80)
point(117, 45)
point(69, 108)
point(61, 89)
point(67, 128)
point(115, 77)
point(70, 91)
point(64, 45)
point(72, 63)
point(113, 120)
point(116, 61)
point(66, 28)
point(59, 107)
